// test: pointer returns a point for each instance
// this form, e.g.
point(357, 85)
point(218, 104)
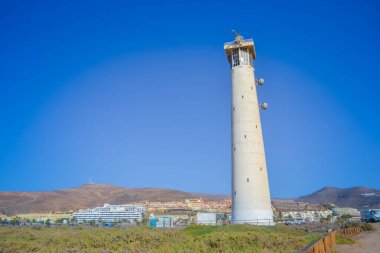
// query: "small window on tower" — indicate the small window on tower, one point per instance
point(261, 168)
point(235, 58)
point(242, 96)
point(245, 136)
point(247, 180)
point(235, 193)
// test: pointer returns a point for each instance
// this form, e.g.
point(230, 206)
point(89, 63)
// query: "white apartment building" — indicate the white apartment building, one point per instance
point(111, 213)
point(306, 215)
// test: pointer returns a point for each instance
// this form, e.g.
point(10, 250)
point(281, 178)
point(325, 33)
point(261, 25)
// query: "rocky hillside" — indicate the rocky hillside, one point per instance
point(87, 196)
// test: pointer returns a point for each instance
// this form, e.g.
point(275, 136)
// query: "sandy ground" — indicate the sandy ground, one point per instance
point(365, 242)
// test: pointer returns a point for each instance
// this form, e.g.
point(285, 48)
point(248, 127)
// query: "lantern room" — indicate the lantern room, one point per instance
point(240, 52)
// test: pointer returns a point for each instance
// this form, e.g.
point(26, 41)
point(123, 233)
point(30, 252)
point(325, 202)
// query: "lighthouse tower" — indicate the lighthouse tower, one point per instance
point(251, 201)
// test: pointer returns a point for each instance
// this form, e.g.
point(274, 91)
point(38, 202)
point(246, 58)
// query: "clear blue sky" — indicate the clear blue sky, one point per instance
point(137, 94)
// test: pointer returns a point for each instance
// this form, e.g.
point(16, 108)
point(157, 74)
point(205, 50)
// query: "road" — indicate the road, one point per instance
point(365, 242)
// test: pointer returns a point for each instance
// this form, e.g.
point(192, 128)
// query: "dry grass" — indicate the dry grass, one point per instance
point(344, 240)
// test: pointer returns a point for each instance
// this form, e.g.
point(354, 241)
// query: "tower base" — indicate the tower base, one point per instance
point(259, 218)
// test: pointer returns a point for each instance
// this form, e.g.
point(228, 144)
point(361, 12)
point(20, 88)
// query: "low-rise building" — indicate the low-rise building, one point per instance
point(345, 211)
point(206, 218)
point(161, 221)
point(111, 213)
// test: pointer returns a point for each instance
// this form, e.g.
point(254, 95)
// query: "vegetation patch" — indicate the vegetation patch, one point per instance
point(313, 237)
point(363, 225)
point(231, 238)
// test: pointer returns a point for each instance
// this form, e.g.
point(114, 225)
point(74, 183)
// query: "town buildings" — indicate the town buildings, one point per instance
point(194, 204)
point(283, 205)
point(306, 215)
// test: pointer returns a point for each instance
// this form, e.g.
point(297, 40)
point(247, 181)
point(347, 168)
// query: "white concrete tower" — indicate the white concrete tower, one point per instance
point(251, 201)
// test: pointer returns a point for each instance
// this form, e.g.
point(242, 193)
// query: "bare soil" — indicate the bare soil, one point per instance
point(365, 242)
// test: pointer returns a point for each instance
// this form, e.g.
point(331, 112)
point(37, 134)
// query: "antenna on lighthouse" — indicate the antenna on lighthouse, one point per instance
point(238, 38)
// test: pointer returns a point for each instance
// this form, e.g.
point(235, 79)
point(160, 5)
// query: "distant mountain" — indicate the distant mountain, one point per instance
point(356, 197)
point(88, 196)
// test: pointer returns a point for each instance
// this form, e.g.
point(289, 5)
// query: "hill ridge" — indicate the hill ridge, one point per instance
point(345, 197)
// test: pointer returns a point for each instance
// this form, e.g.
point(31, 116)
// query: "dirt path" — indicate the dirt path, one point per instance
point(365, 242)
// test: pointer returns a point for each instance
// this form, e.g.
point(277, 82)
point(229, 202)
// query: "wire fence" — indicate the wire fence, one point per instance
point(180, 223)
